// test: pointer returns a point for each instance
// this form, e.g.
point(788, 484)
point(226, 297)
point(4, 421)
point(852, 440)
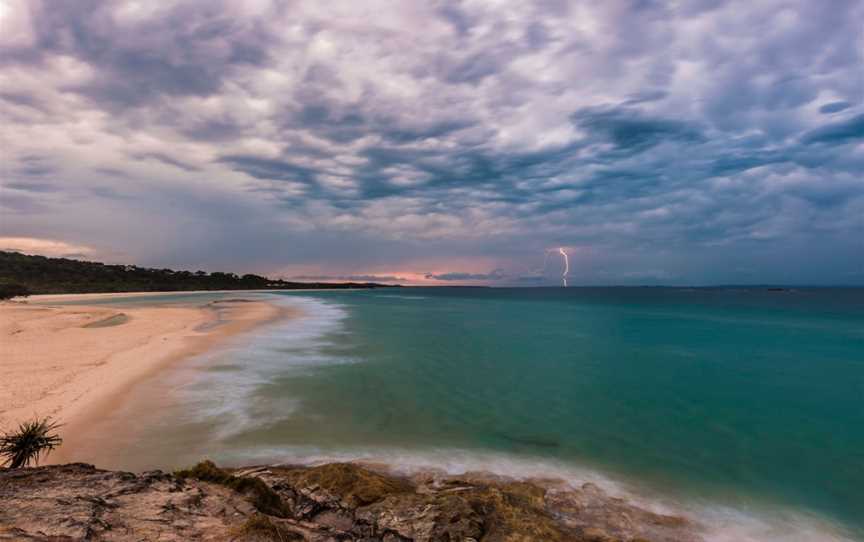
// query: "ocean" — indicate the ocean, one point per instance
point(741, 407)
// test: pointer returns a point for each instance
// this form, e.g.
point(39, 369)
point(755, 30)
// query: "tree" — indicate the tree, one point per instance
point(31, 440)
point(8, 291)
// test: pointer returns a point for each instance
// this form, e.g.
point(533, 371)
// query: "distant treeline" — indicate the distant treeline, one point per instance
point(22, 274)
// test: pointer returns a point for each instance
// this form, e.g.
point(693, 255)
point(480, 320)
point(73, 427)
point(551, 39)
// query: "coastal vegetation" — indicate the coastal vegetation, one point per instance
point(260, 495)
point(31, 440)
point(262, 528)
point(10, 290)
point(23, 274)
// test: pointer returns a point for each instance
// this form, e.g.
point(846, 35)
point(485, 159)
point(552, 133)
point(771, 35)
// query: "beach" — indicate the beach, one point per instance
point(75, 362)
point(664, 406)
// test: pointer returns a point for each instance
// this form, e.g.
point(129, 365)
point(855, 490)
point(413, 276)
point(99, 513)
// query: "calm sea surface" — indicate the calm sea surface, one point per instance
point(743, 406)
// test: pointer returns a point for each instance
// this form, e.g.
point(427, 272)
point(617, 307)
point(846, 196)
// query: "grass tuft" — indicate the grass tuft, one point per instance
point(29, 442)
point(352, 484)
point(261, 527)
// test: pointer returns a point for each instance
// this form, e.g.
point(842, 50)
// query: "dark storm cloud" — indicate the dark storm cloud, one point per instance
point(165, 159)
point(33, 166)
point(630, 130)
point(267, 169)
point(838, 133)
point(646, 96)
point(834, 107)
point(441, 130)
point(458, 18)
point(189, 50)
point(344, 124)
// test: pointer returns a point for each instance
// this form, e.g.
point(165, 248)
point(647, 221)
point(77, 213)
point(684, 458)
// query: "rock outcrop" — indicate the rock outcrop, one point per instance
point(333, 502)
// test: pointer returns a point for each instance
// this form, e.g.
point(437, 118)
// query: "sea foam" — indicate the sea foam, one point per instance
point(223, 384)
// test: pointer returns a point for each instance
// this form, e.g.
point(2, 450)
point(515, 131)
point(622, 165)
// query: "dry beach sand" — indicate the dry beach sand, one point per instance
point(74, 362)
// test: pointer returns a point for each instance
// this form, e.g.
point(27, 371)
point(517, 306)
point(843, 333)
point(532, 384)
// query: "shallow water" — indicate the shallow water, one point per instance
point(742, 406)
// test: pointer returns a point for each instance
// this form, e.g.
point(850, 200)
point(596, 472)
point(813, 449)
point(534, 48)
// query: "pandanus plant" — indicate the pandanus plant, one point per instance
point(31, 440)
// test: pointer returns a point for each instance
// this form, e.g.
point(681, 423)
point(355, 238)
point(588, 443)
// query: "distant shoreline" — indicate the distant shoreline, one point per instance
point(60, 298)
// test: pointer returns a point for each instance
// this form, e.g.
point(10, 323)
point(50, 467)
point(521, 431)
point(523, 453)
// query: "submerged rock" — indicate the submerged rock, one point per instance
point(334, 502)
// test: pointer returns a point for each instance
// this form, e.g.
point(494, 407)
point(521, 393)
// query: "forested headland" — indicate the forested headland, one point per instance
point(23, 274)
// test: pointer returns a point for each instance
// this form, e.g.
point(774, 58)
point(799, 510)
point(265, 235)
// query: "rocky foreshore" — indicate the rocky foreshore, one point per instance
point(332, 502)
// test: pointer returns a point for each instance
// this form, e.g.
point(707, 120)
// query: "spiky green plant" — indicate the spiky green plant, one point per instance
point(31, 440)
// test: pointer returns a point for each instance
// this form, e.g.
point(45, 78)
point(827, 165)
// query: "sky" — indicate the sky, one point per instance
point(681, 142)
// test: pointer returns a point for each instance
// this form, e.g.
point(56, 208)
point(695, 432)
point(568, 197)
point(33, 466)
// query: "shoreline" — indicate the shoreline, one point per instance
point(61, 298)
point(74, 363)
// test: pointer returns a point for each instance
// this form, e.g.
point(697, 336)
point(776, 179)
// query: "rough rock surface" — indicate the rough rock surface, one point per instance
point(80, 502)
point(334, 502)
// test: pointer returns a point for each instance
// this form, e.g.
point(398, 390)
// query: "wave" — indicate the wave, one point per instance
point(238, 370)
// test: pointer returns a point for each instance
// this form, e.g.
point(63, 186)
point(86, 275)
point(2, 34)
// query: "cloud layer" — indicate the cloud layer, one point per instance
point(691, 141)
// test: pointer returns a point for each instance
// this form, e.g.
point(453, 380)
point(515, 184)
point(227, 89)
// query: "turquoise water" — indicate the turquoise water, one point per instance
point(743, 400)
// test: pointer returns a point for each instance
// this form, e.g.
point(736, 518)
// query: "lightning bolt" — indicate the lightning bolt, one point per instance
point(566, 258)
point(566, 266)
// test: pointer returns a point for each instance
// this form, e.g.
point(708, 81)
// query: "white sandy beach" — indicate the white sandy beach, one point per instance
point(72, 362)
